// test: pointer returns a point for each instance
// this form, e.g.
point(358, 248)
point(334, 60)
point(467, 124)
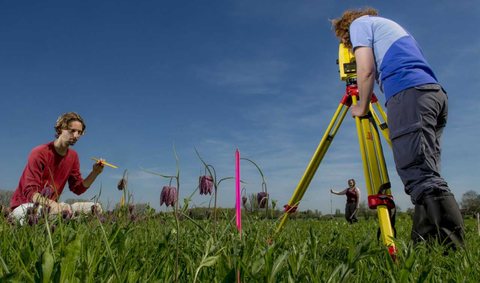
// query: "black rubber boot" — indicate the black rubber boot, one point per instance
point(439, 217)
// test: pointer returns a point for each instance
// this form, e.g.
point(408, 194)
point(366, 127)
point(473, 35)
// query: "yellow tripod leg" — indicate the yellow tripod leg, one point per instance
point(377, 176)
point(316, 160)
point(381, 159)
point(383, 126)
point(361, 142)
point(367, 140)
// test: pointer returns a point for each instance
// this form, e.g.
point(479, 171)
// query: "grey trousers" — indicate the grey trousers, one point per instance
point(350, 208)
point(416, 119)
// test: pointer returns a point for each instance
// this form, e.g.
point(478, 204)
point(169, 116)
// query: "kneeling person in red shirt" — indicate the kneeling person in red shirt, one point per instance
point(51, 165)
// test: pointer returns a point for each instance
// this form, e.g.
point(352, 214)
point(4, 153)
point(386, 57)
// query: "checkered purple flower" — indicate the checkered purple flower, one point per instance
point(47, 192)
point(206, 184)
point(168, 196)
point(262, 198)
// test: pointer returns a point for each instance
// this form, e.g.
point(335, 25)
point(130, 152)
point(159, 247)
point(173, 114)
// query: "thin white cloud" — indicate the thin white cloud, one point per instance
point(246, 77)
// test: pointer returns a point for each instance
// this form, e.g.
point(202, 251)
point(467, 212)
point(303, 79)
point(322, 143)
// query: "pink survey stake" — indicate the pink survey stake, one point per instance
point(238, 195)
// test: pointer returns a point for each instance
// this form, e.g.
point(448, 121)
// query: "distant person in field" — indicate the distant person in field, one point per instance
point(50, 166)
point(353, 201)
point(417, 114)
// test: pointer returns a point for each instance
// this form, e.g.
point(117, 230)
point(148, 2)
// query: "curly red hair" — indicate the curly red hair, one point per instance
point(342, 25)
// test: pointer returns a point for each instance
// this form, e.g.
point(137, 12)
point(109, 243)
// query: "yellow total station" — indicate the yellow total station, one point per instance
point(346, 63)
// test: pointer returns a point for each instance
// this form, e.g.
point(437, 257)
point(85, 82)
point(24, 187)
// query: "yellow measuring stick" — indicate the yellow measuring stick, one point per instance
point(105, 163)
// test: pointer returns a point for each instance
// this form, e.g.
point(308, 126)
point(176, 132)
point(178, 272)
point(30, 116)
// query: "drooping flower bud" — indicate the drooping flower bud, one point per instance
point(172, 196)
point(244, 200)
point(66, 215)
point(53, 228)
point(11, 220)
point(133, 216)
point(30, 210)
point(47, 192)
point(168, 196)
point(102, 220)
point(122, 184)
point(32, 220)
point(163, 195)
point(94, 209)
point(206, 184)
point(262, 198)
point(131, 207)
point(208, 213)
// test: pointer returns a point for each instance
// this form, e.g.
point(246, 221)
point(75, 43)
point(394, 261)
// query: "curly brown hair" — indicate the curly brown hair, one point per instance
point(65, 119)
point(342, 25)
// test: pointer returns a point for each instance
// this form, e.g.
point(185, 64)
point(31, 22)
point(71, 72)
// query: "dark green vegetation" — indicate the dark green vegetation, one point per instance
point(85, 250)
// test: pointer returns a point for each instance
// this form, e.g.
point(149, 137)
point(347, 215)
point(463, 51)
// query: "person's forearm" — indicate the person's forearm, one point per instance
point(87, 182)
point(365, 81)
point(338, 193)
point(366, 72)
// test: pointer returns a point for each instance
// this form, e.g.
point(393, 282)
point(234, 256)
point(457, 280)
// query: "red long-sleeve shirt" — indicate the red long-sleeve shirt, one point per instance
point(36, 175)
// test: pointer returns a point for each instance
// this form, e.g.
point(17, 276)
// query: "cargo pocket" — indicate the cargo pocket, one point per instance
point(408, 145)
point(429, 87)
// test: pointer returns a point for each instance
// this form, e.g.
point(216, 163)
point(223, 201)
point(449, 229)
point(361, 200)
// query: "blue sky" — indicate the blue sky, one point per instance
point(216, 75)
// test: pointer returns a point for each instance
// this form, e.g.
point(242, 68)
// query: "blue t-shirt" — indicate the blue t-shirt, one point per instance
point(399, 60)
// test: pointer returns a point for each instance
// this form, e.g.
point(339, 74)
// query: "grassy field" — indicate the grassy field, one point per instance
point(144, 250)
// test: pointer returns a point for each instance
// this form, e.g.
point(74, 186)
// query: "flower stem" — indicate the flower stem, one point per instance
point(178, 230)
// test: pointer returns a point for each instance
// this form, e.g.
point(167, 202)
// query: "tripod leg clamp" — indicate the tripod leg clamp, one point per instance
point(291, 209)
point(380, 199)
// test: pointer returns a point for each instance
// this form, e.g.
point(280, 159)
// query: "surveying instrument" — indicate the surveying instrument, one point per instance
point(375, 169)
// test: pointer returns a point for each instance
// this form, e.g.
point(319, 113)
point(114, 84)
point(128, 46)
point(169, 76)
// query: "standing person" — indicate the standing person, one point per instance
point(50, 166)
point(417, 114)
point(353, 201)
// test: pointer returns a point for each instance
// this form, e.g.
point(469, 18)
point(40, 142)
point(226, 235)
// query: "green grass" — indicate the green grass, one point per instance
point(305, 251)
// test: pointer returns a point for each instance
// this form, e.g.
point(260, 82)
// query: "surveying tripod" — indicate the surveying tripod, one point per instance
point(375, 169)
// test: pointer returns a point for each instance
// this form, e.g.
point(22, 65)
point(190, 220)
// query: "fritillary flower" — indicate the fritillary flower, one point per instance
point(31, 210)
point(208, 213)
point(32, 219)
point(94, 209)
point(66, 215)
point(168, 196)
point(262, 198)
point(122, 184)
point(47, 192)
point(244, 200)
point(206, 184)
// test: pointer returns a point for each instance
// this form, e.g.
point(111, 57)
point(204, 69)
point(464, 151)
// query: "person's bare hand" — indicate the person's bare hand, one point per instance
point(98, 166)
point(357, 111)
